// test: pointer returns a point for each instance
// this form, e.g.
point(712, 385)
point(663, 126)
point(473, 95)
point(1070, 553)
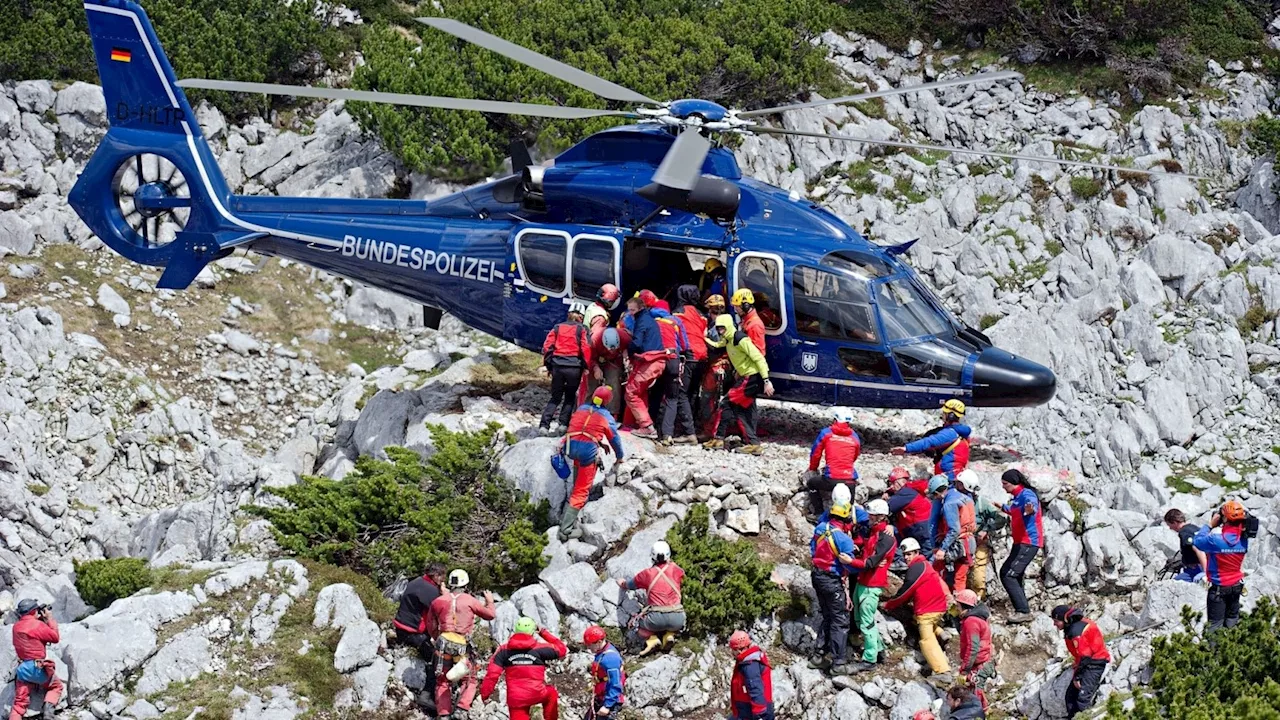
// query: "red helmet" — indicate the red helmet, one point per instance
point(608, 293)
point(898, 473)
point(648, 298)
point(603, 395)
point(593, 635)
point(739, 640)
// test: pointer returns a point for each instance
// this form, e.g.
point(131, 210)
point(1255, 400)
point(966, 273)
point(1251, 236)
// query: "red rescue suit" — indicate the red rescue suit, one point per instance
point(30, 636)
point(524, 661)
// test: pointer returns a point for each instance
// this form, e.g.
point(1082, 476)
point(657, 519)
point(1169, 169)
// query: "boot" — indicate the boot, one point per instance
point(650, 645)
point(668, 641)
point(686, 440)
point(569, 529)
point(752, 449)
point(47, 714)
point(645, 432)
point(1021, 618)
point(713, 444)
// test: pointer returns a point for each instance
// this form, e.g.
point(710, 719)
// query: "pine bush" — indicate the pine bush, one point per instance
point(1228, 674)
point(102, 582)
point(390, 518)
point(726, 584)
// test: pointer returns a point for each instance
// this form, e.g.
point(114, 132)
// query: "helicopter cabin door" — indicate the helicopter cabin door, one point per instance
point(551, 269)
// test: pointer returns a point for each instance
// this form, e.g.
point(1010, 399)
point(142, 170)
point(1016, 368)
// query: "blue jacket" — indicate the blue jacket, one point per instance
point(940, 440)
point(844, 544)
point(607, 670)
point(948, 508)
point(646, 337)
point(1225, 548)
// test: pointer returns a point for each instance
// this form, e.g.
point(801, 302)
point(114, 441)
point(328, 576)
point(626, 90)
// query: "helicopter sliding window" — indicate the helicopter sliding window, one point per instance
point(595, 263)
point(858, 263)
point(761, 274)
point(939, 361)
point(542, 258)
point(906, 313)
point(833, 306)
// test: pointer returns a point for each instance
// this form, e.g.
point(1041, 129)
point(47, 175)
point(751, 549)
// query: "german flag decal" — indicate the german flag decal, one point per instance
point(120, 55)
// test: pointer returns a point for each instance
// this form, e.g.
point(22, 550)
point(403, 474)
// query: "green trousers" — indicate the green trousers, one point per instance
point(866, 601)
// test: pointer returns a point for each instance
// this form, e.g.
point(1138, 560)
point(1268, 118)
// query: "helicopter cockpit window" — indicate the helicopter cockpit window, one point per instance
point(935, 362)
point(594, 264)
point(858, 263)
point(906, 313)
point(542, 260)
point(761, 276)
point(834, 306)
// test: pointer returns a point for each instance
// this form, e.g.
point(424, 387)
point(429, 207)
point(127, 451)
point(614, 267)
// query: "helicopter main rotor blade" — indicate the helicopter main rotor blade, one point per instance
point(447, 103)
point(538, 61)
point(966, 80)
point(967, 151)
point(682, 165)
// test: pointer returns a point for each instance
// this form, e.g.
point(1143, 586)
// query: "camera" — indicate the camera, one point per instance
point(1250, 526)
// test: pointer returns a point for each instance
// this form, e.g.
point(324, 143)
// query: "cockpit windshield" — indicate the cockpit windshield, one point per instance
point(906, 313)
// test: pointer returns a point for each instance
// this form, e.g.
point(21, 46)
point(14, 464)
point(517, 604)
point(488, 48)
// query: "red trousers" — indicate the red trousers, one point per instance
point(646, 368)
point(550, 706)
point(22, 695)
point(959, 580)
point(444, 693)
point(584, 475)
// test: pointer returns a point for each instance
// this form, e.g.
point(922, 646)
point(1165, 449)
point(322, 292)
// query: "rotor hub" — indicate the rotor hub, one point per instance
point(149, 197)
point(707, 110)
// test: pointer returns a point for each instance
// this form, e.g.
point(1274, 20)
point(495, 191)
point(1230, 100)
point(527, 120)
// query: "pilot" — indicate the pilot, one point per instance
point(712, 281)
point(566, 353)
point(840, 446)
point(648, 360)
point(948, 443)
point(739, 404)
point(607, 348)
point(744, 307)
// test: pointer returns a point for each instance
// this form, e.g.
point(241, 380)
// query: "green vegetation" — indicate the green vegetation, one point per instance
point(1254, 318)
point(1053, 247)
point(1078, 508)
point(38, 489)
point(389, 518)
point(988, 203)
point(987, 321)
point(102, 582)
point(727, 585)
point(1232, 674)
point(1085, 188)
point(748, 52)
point(507, 372)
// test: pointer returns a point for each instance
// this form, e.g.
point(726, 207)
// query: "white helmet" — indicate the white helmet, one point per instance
point(459, 578)
point(578, 307)
point(878, 507)
point(660, 549)
point(909, 545)
point(842, 414)
point(841, 495)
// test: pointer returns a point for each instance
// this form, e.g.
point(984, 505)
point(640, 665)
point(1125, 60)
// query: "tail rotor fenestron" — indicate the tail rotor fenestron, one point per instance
point(153, 199)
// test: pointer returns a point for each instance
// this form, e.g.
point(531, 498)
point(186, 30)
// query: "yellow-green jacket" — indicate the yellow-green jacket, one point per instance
point(745, 356)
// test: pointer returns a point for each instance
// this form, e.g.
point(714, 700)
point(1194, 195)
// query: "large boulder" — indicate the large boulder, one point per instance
point(636, 557)
point(338, 606)
point(185, 657)
point(607, 520)
point(575, 588)
point(358, 646)
point(98, 657)
point(913, 697)
point(654, 683)
point(378, 308)
point(527, 465)
point(1166, 598)
point(191, 532)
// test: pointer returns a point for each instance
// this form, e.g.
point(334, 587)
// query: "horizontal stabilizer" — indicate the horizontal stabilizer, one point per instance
point(191, 252)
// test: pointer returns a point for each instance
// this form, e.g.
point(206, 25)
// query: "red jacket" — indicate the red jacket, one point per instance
point(663, 591)
point(873, 565)
point(695, 326)
point(910, 507)
point(751, 688)
point(924, 587)
point(31, 635)
point(1084, 640)
point(524, 660)
point(975, 638)
point(841, 446)
point(567, 344)
point(457, 613)
point(753, 326)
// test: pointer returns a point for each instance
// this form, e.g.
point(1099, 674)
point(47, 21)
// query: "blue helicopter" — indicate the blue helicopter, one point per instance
point(638, 206)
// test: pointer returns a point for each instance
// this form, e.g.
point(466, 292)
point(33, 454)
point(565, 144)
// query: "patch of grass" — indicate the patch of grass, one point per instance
point(38, 489)
point(1120, 198)
point(1085, 188)
point(1041, 190)
point(177, 578)
point(380, 609)
point(366, 347)
point(988, 203)
point(1078, 508)
point(873, 108)
point(905, 189)
point(1170, 165)
point(1053, 247)
point(508, 372)
point(1158, 213)
point(1254, 318)
point(1179, 484)
point(978, 169)
point(1232, 131)
point(370, 389)
point(987, 321)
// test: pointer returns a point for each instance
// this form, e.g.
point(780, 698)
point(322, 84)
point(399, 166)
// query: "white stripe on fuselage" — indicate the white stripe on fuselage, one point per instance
point(871, 385)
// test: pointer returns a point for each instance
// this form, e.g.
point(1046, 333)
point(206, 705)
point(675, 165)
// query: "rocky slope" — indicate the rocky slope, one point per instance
point(138, 422)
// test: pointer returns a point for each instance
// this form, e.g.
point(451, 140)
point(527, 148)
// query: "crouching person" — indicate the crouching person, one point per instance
point(34, 630)
point(663, 616)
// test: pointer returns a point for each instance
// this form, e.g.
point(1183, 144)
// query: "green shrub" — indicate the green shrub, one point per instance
point(726, 586)
point(744, 52)
point(102, 582)
point(1085, 188)
point(390, 518)
point(1230, 675)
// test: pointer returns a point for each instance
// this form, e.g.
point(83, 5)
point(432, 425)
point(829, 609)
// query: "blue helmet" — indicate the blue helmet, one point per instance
point(611, 340)
point(938, 483)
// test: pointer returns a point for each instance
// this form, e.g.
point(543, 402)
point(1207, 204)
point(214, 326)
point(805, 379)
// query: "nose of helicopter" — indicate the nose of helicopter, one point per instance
point(1002, 379)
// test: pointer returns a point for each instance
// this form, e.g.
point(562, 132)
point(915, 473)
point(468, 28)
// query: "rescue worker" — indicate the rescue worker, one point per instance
point(976, 650)
point(1026, 522)
point(412, 624)
point(964, 703)
point(607, 349)
point(990, 520)
point(663, 614)
point(832, 551)
point(453, 615)
point(648, 360)
point(749, 320)
point(712, 281)
point(924, 589)
point(608, 692)
point(718, 377)
point(739, 404)
point(1089, 654)
point(566, 354)
point(1192, 560)
point(695, 361)
point(954, 526)
point(840, 446)
point(949, 444)
point(524, 661)
point(873, 578)
point(751, 688)
point(36, 628)
point(1224, 544)
point(590, 429)
point(667, 394)
point(910, 507)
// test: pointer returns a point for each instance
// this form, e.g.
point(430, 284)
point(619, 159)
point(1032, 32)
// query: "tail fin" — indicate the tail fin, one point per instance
point(135, 211)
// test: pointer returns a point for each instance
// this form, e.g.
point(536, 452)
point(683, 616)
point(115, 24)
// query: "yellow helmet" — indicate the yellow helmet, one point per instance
point(955, 407)
point(715, 301)
point(712, 264)
point(744, 296)
point(842, 510)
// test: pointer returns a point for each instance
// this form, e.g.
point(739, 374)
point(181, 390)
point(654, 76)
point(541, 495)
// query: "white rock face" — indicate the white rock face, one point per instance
point(183, 658)
point(654, 683)
point(358, 646)
point(338, 606)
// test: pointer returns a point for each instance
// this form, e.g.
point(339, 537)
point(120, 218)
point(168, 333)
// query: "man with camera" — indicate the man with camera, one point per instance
point(1224, 541)
point(35, 629)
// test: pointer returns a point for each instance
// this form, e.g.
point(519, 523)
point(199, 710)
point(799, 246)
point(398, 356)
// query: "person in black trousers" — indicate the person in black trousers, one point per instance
point(1027, 526)
point(566, 354)
point(412, 627)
